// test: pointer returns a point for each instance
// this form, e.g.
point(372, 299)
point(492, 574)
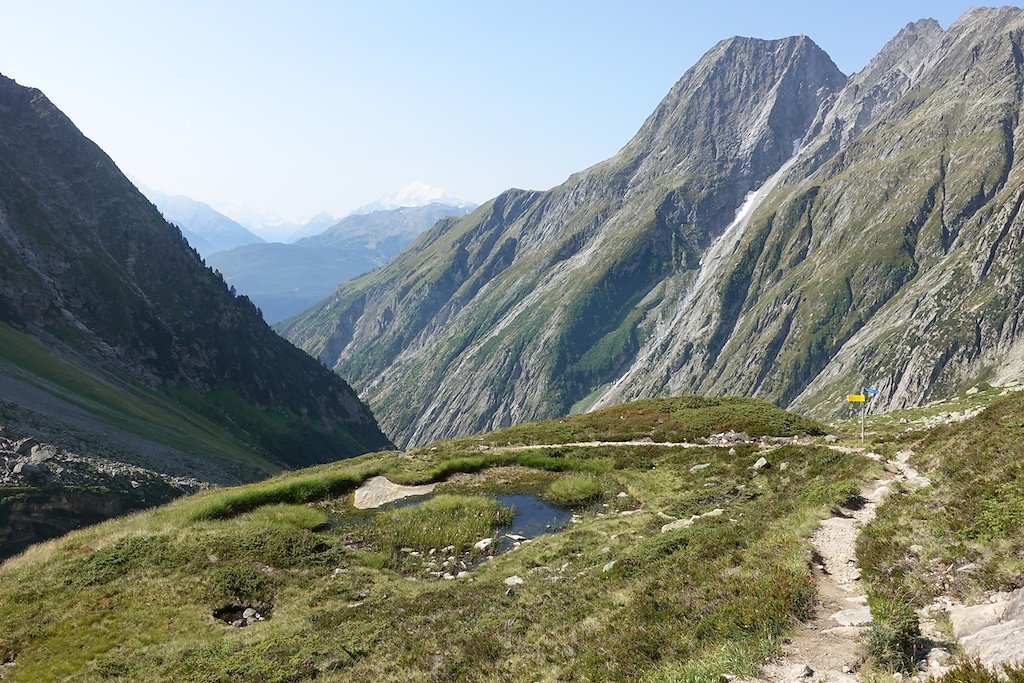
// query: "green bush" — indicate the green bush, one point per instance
point(289, 489)
point(241, 583)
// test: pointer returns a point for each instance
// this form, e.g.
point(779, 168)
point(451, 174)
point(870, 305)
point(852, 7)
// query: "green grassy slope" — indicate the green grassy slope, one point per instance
point(137, 409)
point(610, 597)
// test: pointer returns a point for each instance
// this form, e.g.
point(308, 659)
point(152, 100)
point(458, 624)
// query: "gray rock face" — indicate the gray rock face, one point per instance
point(993, 632)
point(92, 270)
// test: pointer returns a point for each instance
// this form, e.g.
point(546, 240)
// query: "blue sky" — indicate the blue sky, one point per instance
point(300, 107)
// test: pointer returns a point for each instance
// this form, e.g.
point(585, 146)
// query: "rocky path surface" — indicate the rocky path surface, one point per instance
point(831, 646)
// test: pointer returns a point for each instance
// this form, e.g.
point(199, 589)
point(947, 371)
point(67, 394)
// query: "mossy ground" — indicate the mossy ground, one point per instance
point(133, 598)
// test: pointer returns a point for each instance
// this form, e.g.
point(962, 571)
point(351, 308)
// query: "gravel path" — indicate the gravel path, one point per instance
point(830, 647)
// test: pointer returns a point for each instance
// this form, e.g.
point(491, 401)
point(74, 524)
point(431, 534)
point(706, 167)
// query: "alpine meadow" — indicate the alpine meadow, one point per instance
point(743, 402)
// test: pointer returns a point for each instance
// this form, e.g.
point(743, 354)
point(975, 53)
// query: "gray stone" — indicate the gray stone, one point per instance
point(249, 613)
point(514, 580)
point(483, 544)
point(761, 464)
point(798, 672)
point(854, 616)
point(881, 494)
point(969, 620)
point(40, 454)
point(831, 438)
point(1015, 606)
point(997, 646)
point(846, 631)
point(698, 468)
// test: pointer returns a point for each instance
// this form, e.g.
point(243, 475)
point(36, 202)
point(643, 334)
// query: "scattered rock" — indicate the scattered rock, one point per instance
point(698, 468)
point(783, 466)
point(622, 494)
point(683, 523)
point(937, 657)
point(514, 580)
point(608, 567)
point(761, 464)
point(831, 438)
point(483, 544)
point(972, 391)
point(798, 672)
point(880, 494)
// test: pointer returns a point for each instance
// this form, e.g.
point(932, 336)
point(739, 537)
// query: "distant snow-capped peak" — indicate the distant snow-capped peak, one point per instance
point(414, 194)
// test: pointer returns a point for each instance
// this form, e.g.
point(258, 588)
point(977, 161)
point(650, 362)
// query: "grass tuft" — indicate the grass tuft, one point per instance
point(575, 490)
point(439, 522)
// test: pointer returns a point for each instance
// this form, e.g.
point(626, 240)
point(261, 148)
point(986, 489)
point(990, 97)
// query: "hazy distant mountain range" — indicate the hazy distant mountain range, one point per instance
point(285, 279)
point(775, 229)
point(205, 228)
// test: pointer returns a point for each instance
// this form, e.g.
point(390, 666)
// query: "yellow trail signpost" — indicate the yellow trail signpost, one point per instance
point(862, 399)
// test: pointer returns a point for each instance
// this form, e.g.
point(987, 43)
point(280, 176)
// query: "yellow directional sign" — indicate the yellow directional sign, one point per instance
point(855, 398)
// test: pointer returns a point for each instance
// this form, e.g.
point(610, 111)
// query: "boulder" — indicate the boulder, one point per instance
point(514, 580)
point(483, 544)
point(24, 447)
point(967, 621)
point(997, 646)
point(761, 464)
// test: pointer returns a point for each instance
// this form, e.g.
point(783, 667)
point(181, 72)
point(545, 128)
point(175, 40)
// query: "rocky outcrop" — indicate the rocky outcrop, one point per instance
point(992, 632)
point(46, 491)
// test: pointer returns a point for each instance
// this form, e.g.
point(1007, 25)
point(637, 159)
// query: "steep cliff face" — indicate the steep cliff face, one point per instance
point(773, 229)
point(527, 305)
point(90, 269)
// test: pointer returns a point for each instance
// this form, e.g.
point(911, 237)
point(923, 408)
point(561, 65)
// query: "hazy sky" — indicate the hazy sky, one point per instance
point(301, 107)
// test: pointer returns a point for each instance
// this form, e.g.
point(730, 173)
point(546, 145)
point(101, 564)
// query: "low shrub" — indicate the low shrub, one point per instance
point(239, 582)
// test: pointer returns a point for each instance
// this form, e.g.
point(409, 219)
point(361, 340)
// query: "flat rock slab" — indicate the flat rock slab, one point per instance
point(966, 621)
point(997, 646)
point(855, 616)
point(377, 491)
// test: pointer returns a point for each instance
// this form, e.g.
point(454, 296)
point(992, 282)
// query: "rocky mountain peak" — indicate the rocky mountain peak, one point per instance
point(738, 112)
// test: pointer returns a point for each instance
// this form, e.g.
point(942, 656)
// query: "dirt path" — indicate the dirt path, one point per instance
point(830, 647)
